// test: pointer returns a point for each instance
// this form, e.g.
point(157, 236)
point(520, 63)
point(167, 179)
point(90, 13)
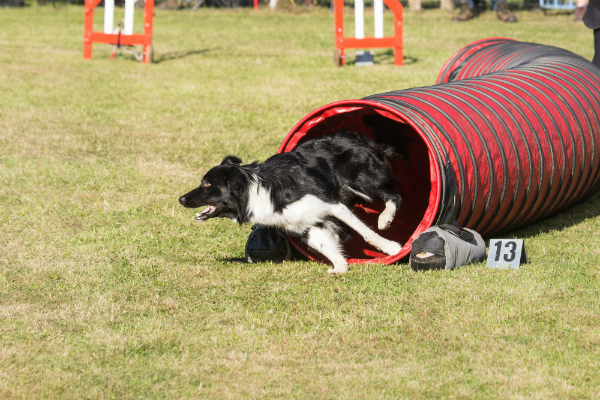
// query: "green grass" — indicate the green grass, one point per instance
point(109, 290)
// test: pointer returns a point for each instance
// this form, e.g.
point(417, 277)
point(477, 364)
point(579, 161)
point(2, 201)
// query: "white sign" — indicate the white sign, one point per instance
point(507, 253)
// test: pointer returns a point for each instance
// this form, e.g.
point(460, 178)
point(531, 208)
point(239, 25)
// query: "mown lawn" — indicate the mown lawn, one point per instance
point(108, 289)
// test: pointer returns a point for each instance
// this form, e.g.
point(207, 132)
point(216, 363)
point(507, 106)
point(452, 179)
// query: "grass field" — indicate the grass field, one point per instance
point(109, 290)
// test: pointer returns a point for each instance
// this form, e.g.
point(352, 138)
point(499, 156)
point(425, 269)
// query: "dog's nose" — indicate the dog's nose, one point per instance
point(182, 200)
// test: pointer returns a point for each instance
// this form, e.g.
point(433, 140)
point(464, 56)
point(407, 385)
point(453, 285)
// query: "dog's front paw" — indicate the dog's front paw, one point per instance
point(338, 269)
point(385, 220)
point(391, 248)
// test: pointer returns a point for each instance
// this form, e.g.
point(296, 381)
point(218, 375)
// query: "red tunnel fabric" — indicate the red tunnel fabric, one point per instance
point(509, 136)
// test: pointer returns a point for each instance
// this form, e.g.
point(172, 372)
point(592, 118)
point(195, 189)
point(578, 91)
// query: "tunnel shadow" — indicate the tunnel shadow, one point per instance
point(589, 208)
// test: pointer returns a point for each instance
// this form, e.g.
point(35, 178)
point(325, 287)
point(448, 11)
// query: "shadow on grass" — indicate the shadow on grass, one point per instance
point(252, 55)
point(587, 209)
point(179, 54)
point(296, 256)
point(228, 260)
point(182, 54)
point(385, 58)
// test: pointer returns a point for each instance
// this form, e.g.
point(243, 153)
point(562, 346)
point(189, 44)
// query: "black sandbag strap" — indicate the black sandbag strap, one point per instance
point(460, 232)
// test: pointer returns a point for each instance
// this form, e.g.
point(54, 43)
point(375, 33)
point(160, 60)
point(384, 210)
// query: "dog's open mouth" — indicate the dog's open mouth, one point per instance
point(206, 213)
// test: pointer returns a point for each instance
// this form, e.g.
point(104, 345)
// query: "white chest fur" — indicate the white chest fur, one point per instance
point(295, 217)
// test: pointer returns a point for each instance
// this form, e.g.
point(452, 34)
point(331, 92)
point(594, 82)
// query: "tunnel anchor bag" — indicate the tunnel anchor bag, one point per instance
point(267, 244)
point(446, 247)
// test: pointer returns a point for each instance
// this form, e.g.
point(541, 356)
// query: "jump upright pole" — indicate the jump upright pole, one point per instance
point(510, 136)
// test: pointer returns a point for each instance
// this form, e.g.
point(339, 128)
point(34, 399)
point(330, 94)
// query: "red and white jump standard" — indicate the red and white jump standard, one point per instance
point(126, 37)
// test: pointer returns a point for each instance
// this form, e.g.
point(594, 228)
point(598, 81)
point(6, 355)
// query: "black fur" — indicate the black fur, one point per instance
point(333, 168)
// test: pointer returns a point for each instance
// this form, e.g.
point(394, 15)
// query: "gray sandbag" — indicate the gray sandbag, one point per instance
point(446, 247)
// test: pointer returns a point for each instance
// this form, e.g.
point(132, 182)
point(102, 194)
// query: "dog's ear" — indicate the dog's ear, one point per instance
point(231, 160)
point(235, 181)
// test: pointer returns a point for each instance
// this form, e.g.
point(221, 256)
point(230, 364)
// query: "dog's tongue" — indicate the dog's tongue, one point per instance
point(204, 214)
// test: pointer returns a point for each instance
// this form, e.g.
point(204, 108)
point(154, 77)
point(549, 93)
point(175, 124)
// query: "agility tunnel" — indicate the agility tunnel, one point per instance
point(507, 137)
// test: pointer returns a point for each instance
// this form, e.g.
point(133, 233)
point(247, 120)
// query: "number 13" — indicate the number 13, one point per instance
point(512, 251)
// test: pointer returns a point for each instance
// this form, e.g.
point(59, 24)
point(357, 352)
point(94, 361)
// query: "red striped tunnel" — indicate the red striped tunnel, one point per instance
point(509, 136)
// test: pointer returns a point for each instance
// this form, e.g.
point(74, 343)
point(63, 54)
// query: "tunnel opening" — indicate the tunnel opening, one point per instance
point(417, 171)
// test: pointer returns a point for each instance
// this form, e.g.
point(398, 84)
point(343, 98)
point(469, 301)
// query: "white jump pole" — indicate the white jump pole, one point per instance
point(378, 10)
point(128, 25)
point(359, 19)
point(109, 16)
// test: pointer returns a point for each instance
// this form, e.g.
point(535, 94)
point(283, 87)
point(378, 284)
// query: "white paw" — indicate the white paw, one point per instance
point(385, 220)
point(339, 269)
point(391, 248)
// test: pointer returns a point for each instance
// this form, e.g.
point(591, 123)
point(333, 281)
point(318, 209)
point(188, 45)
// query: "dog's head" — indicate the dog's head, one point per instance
point(221, 189)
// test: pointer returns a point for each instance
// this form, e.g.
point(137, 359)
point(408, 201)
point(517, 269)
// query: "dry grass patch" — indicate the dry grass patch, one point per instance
point(108, 289)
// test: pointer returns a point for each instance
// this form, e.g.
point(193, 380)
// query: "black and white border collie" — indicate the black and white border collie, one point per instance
point(307, 192)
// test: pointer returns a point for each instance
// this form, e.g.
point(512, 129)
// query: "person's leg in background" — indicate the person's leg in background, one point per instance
point(580, 10)
point(468, 10)
point(591, 19)
point(502, 11)
point(596, 59)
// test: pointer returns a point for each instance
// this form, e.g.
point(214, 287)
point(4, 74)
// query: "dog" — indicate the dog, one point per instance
point(307, 192)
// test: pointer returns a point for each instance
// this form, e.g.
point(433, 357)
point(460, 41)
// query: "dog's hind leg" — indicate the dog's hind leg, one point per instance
point(325, 243)
point(344, 214)
point(392, 203)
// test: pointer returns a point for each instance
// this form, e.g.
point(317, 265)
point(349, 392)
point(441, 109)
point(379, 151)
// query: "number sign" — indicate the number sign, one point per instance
point(507, 253)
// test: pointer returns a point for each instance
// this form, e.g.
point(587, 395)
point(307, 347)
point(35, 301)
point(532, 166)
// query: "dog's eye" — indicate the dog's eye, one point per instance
point(206, 184)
